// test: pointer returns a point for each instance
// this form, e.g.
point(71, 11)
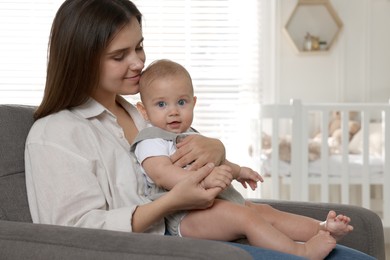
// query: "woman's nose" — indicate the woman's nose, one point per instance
point(136, 63)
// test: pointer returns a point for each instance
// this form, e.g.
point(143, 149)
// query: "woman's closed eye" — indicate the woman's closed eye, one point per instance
point(119, 57)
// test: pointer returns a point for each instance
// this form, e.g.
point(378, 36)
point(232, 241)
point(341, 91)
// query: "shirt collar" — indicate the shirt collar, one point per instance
point(92, 108)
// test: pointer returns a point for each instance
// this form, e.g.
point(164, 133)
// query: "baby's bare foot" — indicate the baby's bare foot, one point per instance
point(319, 246)
point(337, 225)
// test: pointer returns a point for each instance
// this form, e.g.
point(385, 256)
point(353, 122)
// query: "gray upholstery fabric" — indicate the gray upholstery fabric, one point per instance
point(35, 241)
point(15, 122)
point(20, 240)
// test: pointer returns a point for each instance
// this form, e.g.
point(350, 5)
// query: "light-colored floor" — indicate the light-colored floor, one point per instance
point(388, 251)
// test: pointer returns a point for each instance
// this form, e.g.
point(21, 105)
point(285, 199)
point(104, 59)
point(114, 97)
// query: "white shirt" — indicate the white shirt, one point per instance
point(79, 170)
point(155, 146)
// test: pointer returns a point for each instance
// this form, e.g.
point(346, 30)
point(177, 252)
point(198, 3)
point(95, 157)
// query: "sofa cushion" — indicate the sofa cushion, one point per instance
point(15, 123)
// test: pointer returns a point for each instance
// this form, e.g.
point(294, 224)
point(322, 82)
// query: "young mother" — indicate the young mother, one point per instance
point(79, 171)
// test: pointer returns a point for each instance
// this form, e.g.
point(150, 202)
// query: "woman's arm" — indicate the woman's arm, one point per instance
point(186, 195)
point(77, 199)
point(198, 150)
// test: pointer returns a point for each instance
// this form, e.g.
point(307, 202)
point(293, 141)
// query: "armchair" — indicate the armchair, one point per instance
point(21, 239)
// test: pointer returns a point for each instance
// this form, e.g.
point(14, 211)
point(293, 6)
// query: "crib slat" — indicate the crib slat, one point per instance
point(345, 159)
point(324, 156)
point(366, 200)
point(304, 151)
point(386, 177)
point(297, 175)
point(275, 157)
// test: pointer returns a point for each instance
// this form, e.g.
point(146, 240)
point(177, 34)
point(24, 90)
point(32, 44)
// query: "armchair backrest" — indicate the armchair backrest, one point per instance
point(15, 123)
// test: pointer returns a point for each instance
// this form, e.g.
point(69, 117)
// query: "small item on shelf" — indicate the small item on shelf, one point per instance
point(307, 42)
point(315, 43)
point(323, 45)
point(312, 43)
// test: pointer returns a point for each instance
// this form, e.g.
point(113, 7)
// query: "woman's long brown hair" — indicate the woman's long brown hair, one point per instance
point(81, 31)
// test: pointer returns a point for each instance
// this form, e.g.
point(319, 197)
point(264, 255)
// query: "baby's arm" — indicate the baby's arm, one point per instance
point(163, 173)
point(221, 177)
point(166, 175)
point(244, 175)
point(153, 155)
point(161, 170)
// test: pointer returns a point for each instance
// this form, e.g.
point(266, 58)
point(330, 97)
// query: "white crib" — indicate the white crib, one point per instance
point(370, 174)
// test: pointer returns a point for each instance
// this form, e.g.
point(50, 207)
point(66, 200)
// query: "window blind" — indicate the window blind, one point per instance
point(218, 41)
point(219, 44)
point(24, 35)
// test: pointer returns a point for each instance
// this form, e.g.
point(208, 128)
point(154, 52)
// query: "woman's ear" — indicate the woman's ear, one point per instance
point(195, 100)
point(142, 110)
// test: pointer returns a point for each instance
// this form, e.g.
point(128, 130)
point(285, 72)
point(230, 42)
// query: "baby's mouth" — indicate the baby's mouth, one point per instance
point(174, 124)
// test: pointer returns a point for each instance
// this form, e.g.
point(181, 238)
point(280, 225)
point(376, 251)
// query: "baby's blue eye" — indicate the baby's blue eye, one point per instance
point(161, 104)
point(181, 102)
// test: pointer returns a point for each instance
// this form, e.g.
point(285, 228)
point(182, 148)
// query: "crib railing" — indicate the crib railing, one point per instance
point(300, 179)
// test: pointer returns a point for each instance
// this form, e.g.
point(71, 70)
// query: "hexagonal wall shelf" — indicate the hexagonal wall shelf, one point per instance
point(313, 26)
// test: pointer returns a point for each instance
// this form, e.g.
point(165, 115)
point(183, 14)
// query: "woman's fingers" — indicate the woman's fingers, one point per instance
point(196, 151)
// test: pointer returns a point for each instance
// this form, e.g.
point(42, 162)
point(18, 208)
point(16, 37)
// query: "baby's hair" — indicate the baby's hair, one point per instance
point(160, 69)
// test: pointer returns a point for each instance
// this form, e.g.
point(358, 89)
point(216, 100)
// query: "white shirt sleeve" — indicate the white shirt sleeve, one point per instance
point(152, 147)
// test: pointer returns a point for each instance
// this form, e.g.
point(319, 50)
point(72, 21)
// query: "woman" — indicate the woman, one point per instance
point(79, 171)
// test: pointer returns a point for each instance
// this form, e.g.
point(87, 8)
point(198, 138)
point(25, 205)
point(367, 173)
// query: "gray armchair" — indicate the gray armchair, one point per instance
point(21, 239)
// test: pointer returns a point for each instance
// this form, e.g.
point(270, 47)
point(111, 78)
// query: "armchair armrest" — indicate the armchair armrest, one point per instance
point(367, 236)
point(19, 240)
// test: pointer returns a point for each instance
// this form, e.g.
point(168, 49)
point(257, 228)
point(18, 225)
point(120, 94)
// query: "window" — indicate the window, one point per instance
point(24, 34)
point(218, 41)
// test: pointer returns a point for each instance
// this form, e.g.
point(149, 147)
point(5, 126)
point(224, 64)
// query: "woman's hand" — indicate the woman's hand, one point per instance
point(198, 150)
point(190, 194)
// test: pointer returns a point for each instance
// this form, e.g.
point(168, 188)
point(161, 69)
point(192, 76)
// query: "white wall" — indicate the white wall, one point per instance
point(357, 68)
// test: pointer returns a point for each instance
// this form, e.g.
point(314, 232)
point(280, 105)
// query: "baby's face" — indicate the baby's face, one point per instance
point(169, 103)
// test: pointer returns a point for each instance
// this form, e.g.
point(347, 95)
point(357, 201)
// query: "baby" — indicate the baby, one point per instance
point(168, 103)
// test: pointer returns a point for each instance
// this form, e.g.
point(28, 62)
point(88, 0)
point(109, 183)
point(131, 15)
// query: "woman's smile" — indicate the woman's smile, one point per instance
point(133, 78)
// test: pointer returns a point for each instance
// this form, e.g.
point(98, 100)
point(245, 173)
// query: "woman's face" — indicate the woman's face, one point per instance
point(122, 63)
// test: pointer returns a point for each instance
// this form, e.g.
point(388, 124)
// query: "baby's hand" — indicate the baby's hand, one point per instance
point(221, 177)
point(249, 176)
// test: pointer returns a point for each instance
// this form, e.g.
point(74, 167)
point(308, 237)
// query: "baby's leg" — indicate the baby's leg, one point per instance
point(215, 223)
point(337, 225)
point(319, 246)
point(296, 227)
point(228, 221)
